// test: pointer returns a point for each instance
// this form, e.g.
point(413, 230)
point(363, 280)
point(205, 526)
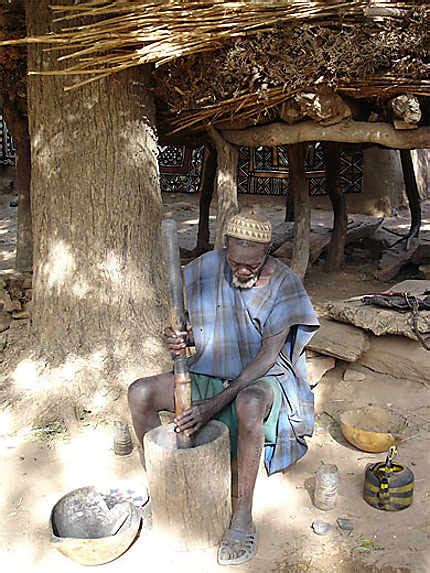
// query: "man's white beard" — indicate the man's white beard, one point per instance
point(247, 284)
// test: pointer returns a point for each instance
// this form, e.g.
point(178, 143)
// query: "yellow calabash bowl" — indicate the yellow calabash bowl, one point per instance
point(373, 429)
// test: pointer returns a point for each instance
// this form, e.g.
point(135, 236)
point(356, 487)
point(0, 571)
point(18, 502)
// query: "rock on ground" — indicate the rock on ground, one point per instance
point(398, 357)
point(339, 340)
point(317, 365)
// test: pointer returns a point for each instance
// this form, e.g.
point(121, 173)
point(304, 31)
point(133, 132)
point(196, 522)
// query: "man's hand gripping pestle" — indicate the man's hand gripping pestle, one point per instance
point(178, 323)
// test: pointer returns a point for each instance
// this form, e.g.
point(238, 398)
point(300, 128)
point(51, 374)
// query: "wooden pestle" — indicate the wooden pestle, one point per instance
point(182, 381)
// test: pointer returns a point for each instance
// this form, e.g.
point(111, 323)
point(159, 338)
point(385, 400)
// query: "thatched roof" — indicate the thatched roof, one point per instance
point(218, 60)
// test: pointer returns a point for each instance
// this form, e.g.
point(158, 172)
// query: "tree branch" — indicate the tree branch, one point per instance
point(348, 131)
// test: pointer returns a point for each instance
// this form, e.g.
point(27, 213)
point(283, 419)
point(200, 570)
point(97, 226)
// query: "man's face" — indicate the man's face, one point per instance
point(245, 262)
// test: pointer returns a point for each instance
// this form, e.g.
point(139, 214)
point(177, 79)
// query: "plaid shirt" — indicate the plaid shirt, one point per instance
point(229, 325)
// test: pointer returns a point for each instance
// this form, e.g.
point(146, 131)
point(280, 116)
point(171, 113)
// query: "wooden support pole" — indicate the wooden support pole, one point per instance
point(347, 131)
point(336, 248)
point(226, 185)
point(206, 194)
point(412, 193)
point(302, 208)
point(289, 206)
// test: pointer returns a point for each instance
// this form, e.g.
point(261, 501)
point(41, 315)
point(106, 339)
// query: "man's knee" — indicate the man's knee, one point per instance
point(252, 405)
point(141, 392)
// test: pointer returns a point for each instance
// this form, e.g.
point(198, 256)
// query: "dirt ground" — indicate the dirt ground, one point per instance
point(37, 468)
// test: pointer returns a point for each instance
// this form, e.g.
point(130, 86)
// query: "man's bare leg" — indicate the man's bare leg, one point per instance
point(252, 406)
point(146, 398)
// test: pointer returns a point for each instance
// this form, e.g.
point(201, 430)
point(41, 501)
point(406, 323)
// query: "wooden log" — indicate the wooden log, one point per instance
point(302, 208)
point(347, 131)
point(206, 194)
point(280, 234)
point(394, 259)
point(226, 175)
point(190, 489)
point(319, 242)
point(336, 248)
point(320, 239)
point(326, 109)
point(361, 230)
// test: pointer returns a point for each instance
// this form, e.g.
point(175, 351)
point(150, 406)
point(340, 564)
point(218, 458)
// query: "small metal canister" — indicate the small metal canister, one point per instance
point(122, 443)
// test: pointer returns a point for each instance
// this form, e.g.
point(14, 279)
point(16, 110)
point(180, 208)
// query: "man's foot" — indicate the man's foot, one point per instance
point(239, 543)
point(237, 547)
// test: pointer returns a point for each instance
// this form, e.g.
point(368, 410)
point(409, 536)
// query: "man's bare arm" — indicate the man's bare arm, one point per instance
point(192, 420)
point(262, 363)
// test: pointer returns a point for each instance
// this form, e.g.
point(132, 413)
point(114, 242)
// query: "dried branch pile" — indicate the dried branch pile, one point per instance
point(250, 77)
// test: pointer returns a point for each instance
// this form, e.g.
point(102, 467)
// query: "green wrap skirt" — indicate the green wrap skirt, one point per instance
point(205, 387)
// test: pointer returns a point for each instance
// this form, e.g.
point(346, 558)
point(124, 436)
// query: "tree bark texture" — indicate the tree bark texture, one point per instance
point(226, 184)
point(17, 122)
point(190, 489)
point(96, 211)
point(347, 131)
point(206, 194)
point(336, 248)
point(302, 208)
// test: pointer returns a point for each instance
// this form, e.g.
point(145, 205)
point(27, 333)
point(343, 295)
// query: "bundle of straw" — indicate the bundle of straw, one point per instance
point(120, 34)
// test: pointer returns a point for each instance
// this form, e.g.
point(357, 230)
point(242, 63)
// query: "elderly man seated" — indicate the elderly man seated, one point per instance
point(251, 320)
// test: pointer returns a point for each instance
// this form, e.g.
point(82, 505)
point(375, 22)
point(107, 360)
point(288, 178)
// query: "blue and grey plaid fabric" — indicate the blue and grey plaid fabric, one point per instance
point(229, 325)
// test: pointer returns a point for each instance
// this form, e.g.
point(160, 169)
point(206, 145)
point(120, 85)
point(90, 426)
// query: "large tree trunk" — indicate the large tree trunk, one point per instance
point(17, 122)
point(96, 213)
point(302, 208)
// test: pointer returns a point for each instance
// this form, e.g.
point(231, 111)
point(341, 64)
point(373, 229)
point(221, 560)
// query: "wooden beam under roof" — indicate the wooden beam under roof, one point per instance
point(348, 131)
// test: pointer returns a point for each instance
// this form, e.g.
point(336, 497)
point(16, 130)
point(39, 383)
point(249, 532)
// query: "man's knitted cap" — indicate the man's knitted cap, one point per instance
point(250, 226)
